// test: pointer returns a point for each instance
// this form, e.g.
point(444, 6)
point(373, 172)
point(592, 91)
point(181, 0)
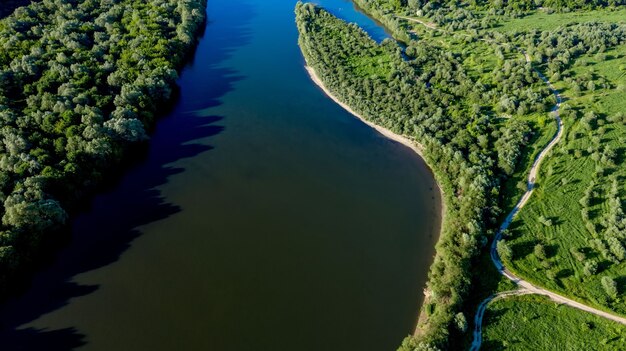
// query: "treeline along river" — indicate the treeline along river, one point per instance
point(262, 217)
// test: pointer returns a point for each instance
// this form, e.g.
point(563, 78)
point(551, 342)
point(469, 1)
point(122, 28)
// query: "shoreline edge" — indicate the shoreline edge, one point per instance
point(413, 145)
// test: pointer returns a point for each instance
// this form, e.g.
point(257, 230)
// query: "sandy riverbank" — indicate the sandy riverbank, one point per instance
point(384, 131)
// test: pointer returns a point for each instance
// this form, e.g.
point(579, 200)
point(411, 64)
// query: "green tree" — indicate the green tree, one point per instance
point(504, 250)
point(540, 251)
point(460, 322)
point(610, 286)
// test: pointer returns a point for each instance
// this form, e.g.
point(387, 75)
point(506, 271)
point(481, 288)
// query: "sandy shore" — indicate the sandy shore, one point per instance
point(384, 131)
point(413, 145)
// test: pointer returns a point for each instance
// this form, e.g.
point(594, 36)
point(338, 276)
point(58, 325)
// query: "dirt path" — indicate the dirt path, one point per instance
point(526, 286)
point(430, 25)
point(530, 182)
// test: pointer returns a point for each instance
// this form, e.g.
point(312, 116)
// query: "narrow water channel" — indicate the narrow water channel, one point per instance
point(264, 217)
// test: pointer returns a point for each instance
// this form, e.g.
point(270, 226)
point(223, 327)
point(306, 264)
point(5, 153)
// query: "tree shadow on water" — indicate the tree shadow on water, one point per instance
point(8, 6)
point(106, 229)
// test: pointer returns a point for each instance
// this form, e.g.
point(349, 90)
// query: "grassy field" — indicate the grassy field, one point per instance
point(480, 61)
point(553, 218)
point(536, 323)
point(543, 21)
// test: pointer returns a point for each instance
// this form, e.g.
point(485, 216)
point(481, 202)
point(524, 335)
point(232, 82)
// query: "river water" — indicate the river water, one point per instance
point(264, 217)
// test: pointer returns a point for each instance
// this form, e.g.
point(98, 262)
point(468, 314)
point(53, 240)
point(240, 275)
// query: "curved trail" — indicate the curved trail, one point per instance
point(424, 23)
point(530, 187)
point(527, 287)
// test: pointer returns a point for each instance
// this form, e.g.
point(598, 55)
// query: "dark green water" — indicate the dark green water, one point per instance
point(264, 217)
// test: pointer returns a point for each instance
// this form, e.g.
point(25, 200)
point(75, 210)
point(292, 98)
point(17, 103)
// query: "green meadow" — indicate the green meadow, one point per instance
point(531, 322)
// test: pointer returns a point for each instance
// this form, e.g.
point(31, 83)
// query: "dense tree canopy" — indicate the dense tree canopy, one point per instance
point(79, 82)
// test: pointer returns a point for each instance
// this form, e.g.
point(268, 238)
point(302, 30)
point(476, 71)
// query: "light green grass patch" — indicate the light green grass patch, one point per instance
point(543, 21)
point(535, 323)
point(370, 66)
point(562, 182)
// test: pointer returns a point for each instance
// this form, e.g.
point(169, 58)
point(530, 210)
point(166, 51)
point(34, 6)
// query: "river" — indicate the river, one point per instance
point(263, 217)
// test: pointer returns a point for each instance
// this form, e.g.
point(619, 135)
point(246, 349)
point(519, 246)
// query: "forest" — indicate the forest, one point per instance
point(80, 83)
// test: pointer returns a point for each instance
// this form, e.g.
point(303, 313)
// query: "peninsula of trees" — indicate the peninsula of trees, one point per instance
point(433, 98)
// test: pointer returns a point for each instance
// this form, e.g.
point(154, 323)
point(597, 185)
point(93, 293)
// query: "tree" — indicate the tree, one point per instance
point(545, 221)
point(460, 322)
point(28, 208)
point(591, 86)
point(411, 344)
point(610, 287)
point(590, 268)
point(128, 129)
point(578, 254)
point(617, 249)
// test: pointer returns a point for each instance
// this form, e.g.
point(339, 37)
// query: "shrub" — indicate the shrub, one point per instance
point(460, 322)
point(540, 251)
point(590, 268)
point(610, 287)
point(504, 250)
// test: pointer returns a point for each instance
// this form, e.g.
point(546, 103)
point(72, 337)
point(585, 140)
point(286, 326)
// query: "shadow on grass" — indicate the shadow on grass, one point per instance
point(621, 284)
point(564, 273)
point(494, 316)
point(493, 345)
point(551, 250)
point(525, 248)
point(603, 265)
point(620, 155)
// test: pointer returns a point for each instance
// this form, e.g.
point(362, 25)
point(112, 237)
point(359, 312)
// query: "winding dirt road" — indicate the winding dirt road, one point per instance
point(525, 286)
point(530, 187)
